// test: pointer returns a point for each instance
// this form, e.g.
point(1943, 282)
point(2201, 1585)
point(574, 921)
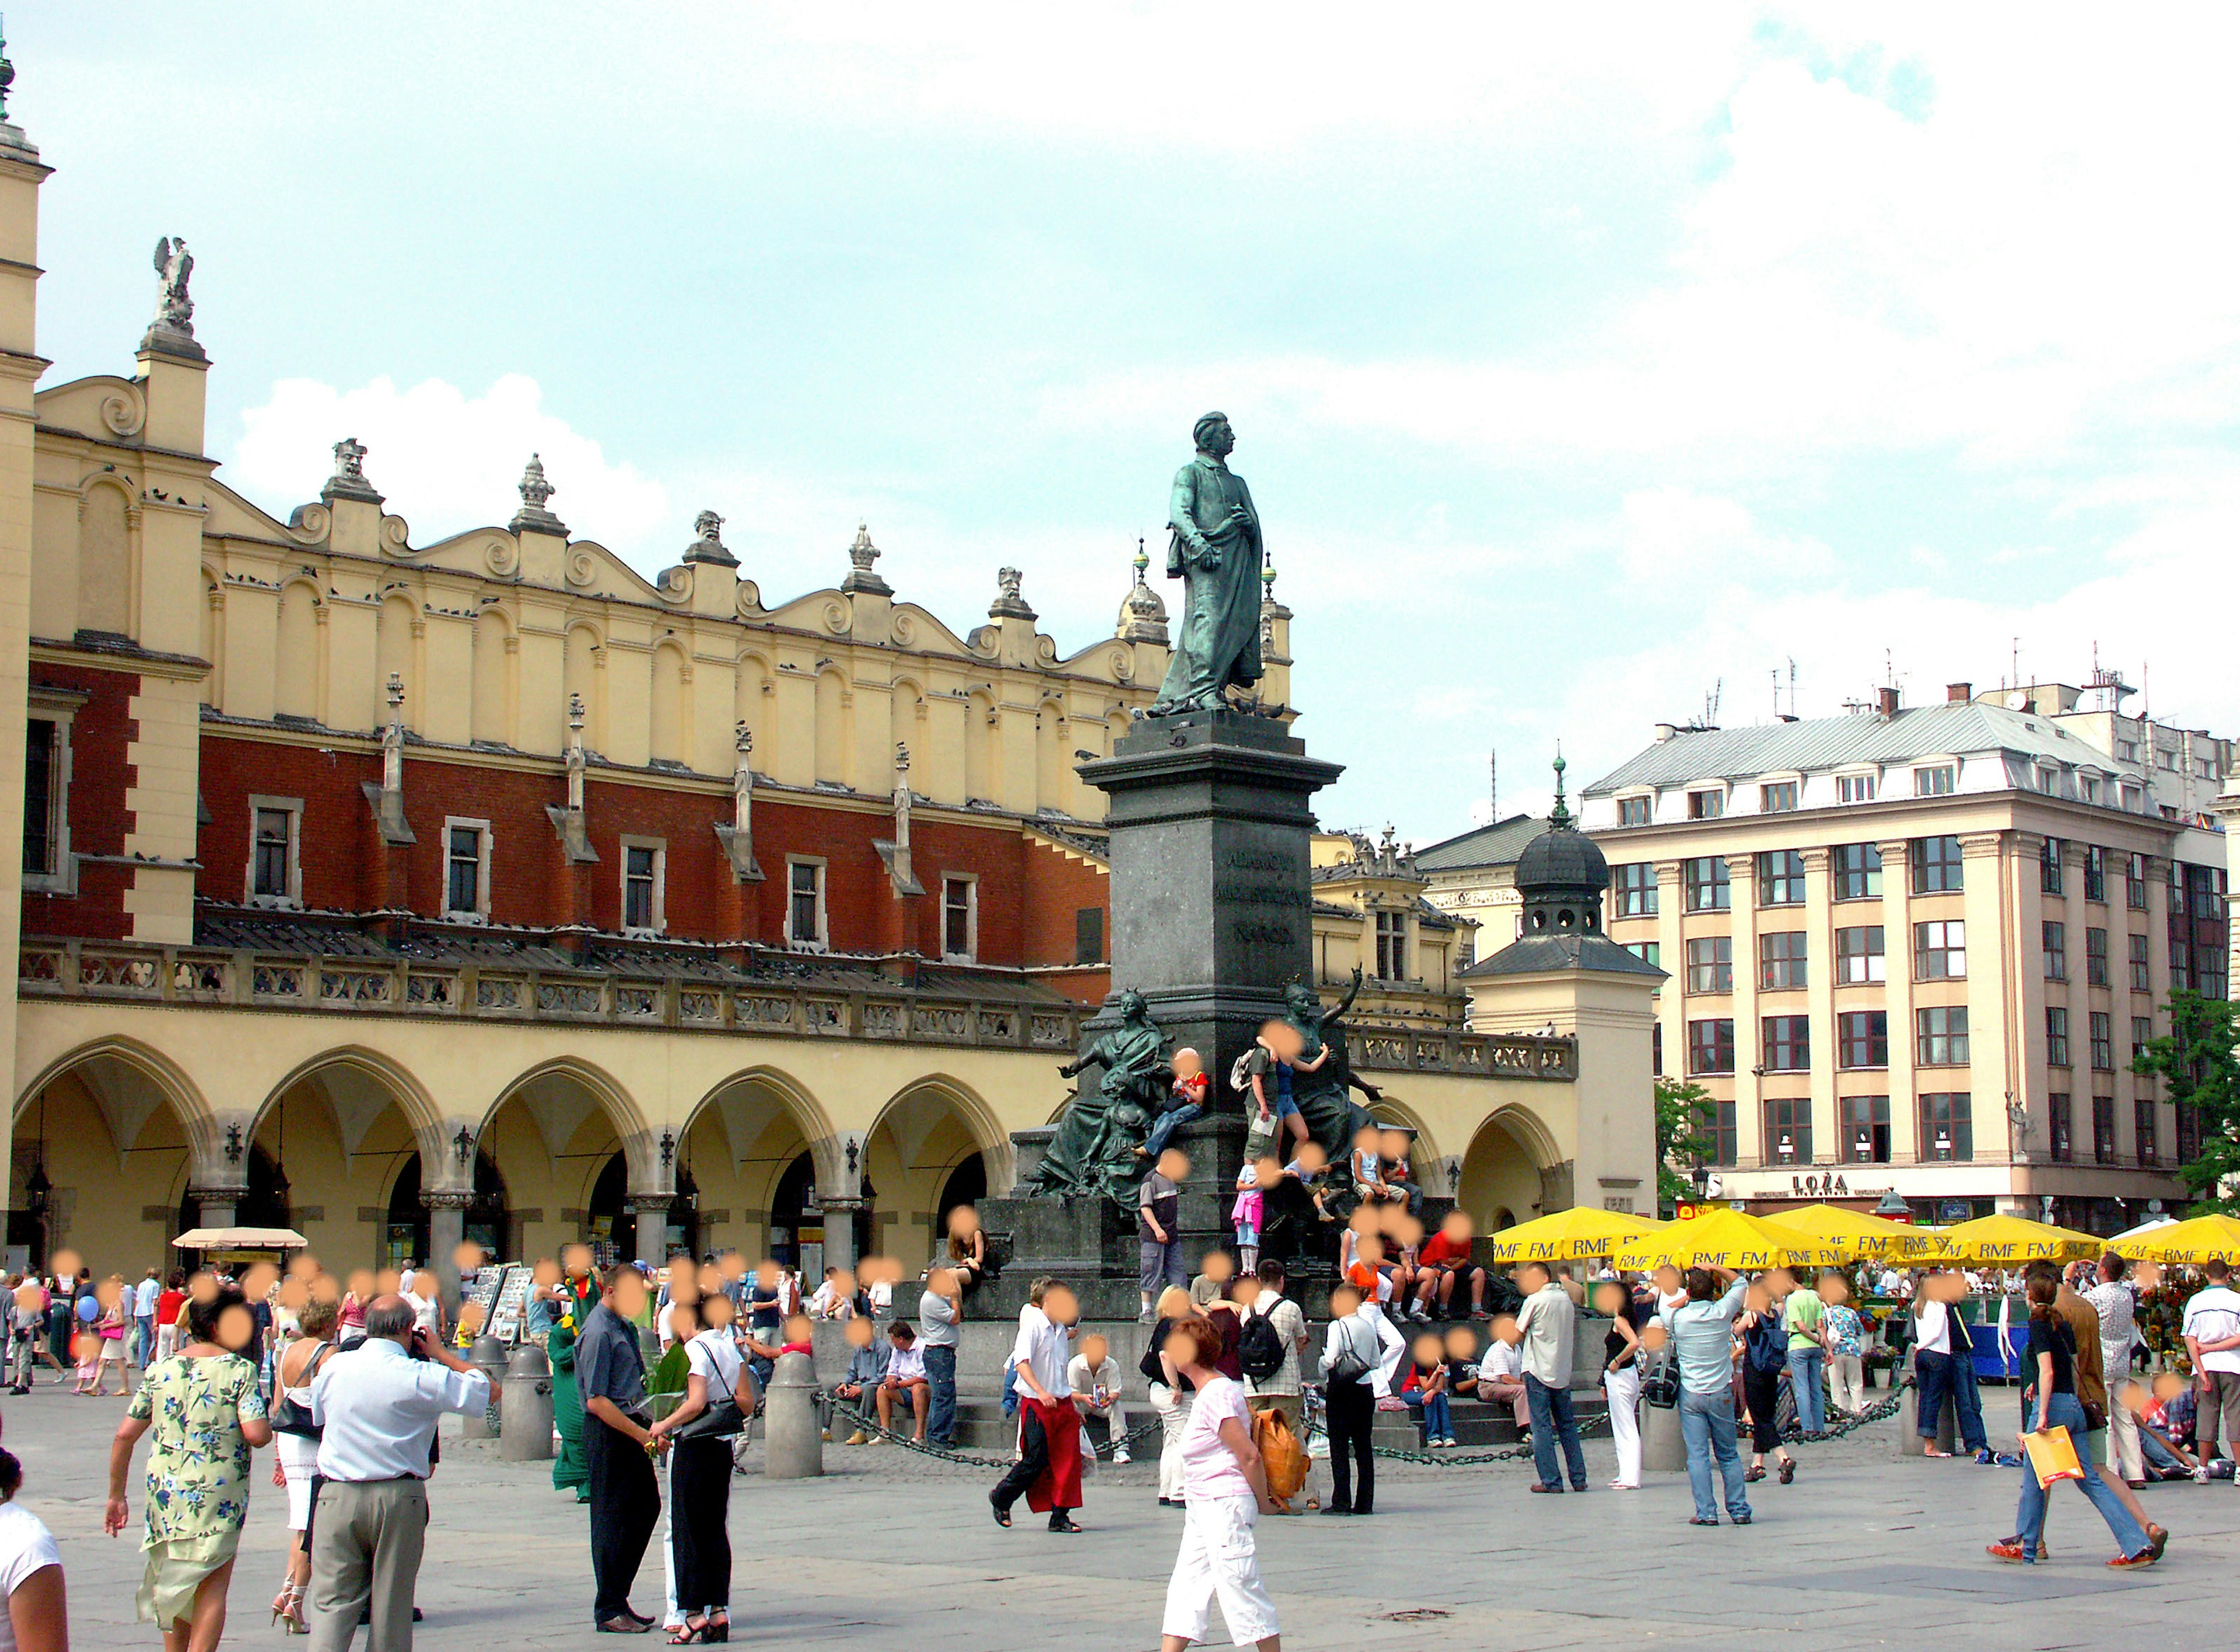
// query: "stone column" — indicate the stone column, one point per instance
point(215, 1207)
point(651, 1210)
point(840, 1230)
point(1820, 1005)
point(1743, 922)
point(447, 1230)
point(2006, 997)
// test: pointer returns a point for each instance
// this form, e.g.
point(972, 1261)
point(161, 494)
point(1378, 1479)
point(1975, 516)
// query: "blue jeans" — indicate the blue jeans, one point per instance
point(1164, 1127)
point(2062, 1411)
point(1805, 1367)
point(1949, 1376)
point(1552, 1417)
point(1437, 1414)
point(941, 1379)
point(1707, 1425)
point(2157, 1454)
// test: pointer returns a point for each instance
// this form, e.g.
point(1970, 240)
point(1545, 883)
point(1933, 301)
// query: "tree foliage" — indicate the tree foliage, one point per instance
point(2199, 1066)
point(1684, 1112)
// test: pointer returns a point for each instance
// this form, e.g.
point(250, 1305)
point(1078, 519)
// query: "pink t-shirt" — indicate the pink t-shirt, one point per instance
point(1209, 1467)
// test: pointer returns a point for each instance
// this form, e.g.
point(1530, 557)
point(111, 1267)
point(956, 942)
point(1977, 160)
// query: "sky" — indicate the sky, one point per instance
point(1584, 370)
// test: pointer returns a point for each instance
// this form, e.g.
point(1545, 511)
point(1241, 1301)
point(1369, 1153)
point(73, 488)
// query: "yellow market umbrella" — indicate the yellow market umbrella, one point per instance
point(2012, 1241)
point(1569, 1236)
point(2192, 1241)
point(1727, 1238)
point(1860, 1235)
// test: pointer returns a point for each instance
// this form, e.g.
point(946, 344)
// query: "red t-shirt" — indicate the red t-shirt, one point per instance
point(1190, 1091)
point(1438, 1249)
point(168, 1305)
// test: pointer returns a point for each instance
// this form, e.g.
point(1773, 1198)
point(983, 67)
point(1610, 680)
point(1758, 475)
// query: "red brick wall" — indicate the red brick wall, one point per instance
point(100, 736)
point(1027, 894)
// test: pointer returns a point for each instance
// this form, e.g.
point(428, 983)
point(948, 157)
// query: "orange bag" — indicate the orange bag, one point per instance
point(1282, 1457)
point(2053, 1457)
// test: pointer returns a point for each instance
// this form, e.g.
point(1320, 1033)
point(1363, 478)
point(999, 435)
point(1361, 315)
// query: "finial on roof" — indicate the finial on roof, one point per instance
point(536, 487)
point(1143, 613)
point(861, 555)
point(1559, 818)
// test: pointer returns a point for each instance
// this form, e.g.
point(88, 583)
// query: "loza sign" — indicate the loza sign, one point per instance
point(1819, 1187)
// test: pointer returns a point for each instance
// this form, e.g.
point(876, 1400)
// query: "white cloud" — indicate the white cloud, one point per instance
point(447, 460)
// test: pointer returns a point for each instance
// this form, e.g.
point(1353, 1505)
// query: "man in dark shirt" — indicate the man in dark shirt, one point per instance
point(625, 1496)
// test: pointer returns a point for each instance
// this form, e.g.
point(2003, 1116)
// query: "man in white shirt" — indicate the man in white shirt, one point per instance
point(1048, 1473)
point(144, 1319)
point(2211, 1329)
point(421, 1295)
point(376, 1407)
point(2117, 1308)
point(1092, 1377)
point(1548, 1325)
point(1501, 1374)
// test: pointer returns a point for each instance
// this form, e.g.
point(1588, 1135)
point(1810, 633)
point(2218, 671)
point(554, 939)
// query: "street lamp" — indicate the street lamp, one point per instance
point(668, 1149)
point(463, 1145)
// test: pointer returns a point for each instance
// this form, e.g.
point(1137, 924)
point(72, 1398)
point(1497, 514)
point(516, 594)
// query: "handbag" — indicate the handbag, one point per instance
point(1347, 1366)
point(723, 1419)
point(289, 1418)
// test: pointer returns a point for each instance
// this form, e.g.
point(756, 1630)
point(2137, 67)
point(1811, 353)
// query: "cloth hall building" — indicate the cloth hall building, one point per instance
point(398, 891)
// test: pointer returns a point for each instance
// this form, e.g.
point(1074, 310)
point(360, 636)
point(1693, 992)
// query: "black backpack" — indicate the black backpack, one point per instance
point(1259, 1348)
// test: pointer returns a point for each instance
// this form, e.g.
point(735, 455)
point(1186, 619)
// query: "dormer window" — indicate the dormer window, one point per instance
point(1708, 805)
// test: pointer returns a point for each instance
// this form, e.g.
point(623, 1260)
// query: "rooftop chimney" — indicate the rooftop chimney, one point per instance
point(1886, 701)
point(1959, 693)
point(1666, 731)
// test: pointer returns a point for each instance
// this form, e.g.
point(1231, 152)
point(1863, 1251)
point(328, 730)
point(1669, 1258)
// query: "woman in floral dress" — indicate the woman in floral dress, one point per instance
point(202, 1409)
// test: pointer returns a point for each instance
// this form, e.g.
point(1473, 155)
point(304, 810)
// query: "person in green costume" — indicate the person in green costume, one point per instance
point(577, 1295)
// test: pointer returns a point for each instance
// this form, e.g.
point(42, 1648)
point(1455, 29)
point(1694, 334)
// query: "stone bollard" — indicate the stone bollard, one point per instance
point(488, 1355)
point(793, 1448)
point(1910, 1442)
point(1663, 1450)
point(526, 1433)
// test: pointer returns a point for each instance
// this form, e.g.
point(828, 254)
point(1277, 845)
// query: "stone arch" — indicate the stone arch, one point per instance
point(752, 690)
point(491, 710)
point(1427, 1162)
point(668, 709)
point(1054, 777)
point(835, 730)
point(108, 514)
point(980, 780)
point(295, 650)
point(739, 1141)
point(582, 652)
point(422, 1113)
point(1507, 1167)
point(905, 706)
point(915, 1142)
point(121, 1132)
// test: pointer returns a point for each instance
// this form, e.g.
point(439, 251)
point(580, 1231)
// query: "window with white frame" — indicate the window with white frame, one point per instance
point(646, 875)
point(47, 862)
point(960, 918)
point(1391, 946)
point(1936, 780)
point(804, 905)
point(466, 869)
point(276, 876)
point(1855, 789)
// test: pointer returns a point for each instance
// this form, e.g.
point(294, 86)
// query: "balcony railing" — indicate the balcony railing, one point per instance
point(123, 972)
point(1549, 1059)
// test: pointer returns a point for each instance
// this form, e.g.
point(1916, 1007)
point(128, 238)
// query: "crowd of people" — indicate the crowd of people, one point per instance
point(346, 1381)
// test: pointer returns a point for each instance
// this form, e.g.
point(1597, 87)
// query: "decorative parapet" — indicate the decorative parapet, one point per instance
point(125, 973)
point(1546, 1058)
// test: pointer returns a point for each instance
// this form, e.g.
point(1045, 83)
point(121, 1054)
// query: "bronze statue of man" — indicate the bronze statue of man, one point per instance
point(1215, 551)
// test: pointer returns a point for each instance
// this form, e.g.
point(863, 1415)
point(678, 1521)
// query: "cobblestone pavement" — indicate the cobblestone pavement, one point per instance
point(893, 1549)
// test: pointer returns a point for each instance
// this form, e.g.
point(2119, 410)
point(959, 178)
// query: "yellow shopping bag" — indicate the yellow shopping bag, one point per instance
point(2053, 1457)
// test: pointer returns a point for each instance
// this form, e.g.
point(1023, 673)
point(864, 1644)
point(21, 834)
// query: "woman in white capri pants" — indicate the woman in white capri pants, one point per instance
point(1224, 1488)
point(1622, 1382)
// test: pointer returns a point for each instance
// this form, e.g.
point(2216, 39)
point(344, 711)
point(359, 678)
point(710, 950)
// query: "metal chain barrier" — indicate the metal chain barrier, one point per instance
point(971, 1459)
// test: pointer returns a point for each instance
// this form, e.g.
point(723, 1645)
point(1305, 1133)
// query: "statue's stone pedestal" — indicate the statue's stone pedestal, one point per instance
point(1211, 902)
point(1211, 895)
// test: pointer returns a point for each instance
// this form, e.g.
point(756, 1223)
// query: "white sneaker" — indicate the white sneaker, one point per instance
point(1120, 1454)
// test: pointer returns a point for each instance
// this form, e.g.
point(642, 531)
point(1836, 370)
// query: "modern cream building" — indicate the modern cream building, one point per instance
point(1914, 947)
point(398, 891)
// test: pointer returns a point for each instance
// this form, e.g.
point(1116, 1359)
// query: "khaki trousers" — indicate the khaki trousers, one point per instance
point(366, 1538)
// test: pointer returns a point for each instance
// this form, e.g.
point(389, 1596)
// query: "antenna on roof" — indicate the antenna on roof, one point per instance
point(2015, 662)
point(1493, 782)
point(1792, 685)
